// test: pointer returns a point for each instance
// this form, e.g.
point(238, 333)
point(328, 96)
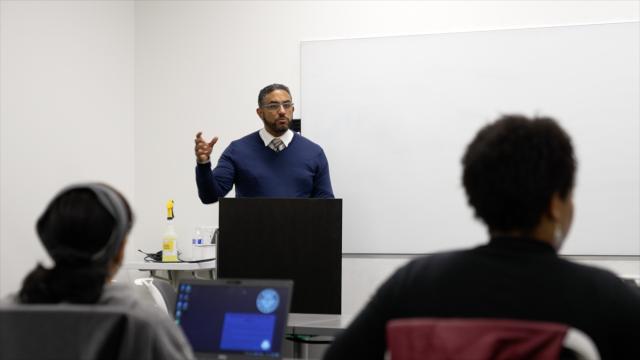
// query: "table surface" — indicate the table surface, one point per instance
point(188, 266)
point(298, 324)
point(317, 324)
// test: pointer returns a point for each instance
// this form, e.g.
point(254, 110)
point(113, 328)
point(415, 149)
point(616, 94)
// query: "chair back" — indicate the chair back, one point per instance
point(168, 293)
point(162, 293)
point(437, 338)
point(65, 331)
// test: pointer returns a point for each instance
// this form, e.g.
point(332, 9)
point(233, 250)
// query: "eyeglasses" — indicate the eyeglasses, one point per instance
point(276, 106)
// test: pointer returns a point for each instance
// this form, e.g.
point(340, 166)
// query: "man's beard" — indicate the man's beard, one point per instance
point(278, 129)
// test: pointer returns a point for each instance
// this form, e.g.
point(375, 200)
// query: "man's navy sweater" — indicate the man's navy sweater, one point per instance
point(300, 170)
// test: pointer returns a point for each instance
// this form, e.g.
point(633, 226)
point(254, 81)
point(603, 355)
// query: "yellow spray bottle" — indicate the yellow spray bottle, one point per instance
point(169, 239)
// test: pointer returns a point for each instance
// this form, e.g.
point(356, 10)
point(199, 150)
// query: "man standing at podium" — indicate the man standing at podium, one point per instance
point(271, 162)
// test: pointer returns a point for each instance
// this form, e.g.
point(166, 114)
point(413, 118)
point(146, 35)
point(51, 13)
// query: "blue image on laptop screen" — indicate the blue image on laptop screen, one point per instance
point(242, 331)
point(231, 319)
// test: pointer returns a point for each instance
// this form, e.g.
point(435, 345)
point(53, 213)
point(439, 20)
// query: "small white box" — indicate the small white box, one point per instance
point(204, 252)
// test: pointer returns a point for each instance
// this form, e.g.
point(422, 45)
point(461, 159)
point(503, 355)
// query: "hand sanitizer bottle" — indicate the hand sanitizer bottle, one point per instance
point(169, 249)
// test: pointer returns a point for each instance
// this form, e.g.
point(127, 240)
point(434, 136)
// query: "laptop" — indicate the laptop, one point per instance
point(234, 319)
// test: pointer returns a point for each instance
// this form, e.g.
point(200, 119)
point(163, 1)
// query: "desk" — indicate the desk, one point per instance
point(317, 324)
point(172, 268)
point(314, 325)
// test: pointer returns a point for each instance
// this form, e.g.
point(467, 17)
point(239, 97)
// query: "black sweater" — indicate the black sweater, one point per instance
point(514, 278)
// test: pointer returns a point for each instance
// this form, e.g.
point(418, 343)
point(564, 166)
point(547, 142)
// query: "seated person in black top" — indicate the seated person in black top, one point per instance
point(84, 230)
point(519, 175)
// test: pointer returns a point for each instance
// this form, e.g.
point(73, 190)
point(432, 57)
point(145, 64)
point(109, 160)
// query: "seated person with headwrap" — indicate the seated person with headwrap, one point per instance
point(84, 230)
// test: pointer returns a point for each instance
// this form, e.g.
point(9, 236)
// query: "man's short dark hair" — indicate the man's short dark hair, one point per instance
point(270, 88)
point(512, 168)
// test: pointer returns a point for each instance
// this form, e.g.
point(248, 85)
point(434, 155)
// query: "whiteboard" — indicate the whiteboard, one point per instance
point(394, 115)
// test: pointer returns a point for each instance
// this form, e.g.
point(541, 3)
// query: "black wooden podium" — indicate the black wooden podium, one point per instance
point(298, 239)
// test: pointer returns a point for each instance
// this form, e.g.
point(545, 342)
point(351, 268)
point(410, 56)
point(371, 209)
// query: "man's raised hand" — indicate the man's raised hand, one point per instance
point(203, 148)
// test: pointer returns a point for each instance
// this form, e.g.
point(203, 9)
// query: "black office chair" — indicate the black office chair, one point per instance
point(48, 332)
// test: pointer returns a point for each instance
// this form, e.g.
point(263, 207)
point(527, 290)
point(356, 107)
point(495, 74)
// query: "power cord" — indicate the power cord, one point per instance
point(157, 257)
point(152, 257)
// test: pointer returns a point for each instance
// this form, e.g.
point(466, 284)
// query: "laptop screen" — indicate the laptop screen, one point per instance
point(241, 317)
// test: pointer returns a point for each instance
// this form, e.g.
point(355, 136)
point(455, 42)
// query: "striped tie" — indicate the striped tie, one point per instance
point(276, 144)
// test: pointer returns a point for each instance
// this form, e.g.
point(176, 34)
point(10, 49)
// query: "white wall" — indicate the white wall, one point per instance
point(66, 111)
point(198, 66)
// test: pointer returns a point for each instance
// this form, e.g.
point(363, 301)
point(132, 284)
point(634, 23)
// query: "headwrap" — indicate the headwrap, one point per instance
point(111, 201)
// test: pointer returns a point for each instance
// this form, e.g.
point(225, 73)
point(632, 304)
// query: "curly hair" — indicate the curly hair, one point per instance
point(512, 168)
